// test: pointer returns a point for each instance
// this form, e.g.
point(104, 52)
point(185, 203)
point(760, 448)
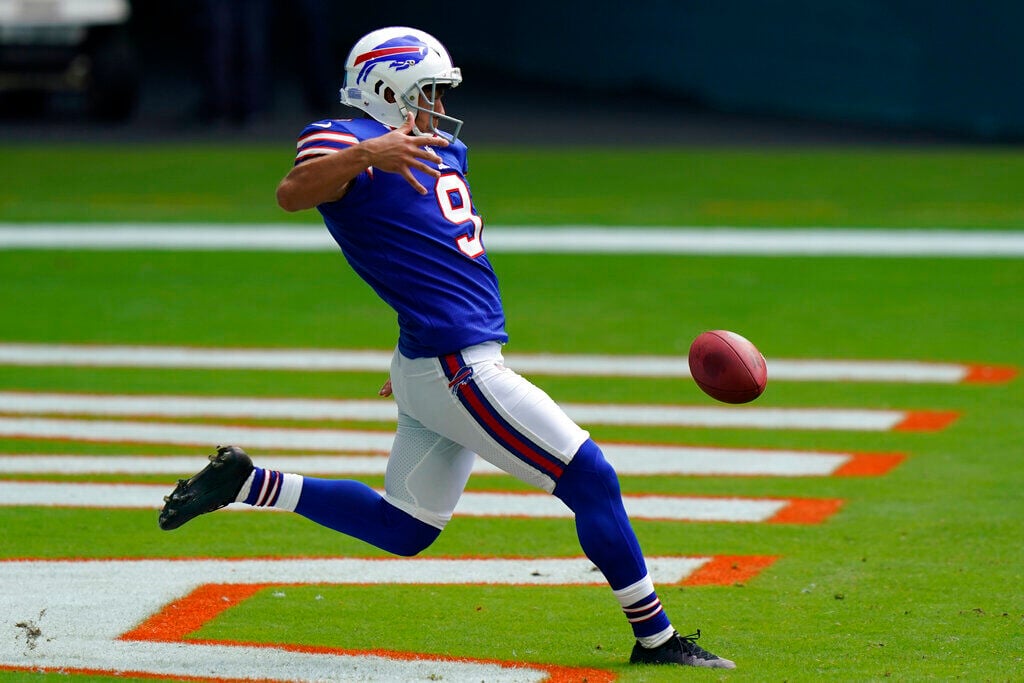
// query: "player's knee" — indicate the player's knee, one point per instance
point(411, 547)
point(410, 536)
point(587, 476)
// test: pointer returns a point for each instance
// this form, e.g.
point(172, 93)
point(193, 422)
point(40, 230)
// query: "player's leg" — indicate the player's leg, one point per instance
point(516, 426)
point(425, 477)
point(590, 488)
point(348, 506)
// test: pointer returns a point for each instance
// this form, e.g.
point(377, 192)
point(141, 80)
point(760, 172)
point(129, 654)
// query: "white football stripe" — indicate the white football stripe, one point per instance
point(187, 661)
point(530, 239)
point(472, 503)
point(256, 438)
point(328, 360)
point(628, 459)
point(353, 441)
point(142, 405)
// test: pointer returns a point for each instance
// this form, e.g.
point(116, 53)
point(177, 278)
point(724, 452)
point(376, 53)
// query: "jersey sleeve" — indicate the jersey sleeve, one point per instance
point(329, 136)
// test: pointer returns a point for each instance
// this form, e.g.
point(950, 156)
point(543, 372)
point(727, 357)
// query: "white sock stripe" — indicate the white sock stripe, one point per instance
point(274, 486)
point(243, 493)
point(644, 607)
point(658, 638)
point(636, 620)
point(635, 592)
point(263, 488)
point(291, 490)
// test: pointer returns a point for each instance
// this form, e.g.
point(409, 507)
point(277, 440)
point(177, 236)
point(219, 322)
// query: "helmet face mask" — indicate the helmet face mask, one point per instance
point(389, 70)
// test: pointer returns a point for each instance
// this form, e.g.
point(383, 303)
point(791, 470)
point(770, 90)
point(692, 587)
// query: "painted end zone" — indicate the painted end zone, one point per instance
point(187, 615)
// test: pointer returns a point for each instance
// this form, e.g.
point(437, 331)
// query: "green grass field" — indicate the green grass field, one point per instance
point(918, 575)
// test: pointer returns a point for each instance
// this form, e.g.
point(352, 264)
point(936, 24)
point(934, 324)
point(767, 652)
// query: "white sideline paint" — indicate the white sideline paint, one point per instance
point(472, 503)
point(627, 459)
point(329, 360)
point(511, 239)
point(81, 608)
point(143, 405)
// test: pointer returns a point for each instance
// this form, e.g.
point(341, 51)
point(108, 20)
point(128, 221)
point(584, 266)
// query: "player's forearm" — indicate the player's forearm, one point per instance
point(321, 180)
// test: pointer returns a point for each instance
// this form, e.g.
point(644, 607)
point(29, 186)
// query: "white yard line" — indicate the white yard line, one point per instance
point(628, 460)
point(364, 441)
point(509, 239)
point(381, 410)
point(472, 503)
point(329, 360)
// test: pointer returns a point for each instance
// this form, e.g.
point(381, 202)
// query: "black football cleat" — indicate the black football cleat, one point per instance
point(215, 486)
point(679, 650)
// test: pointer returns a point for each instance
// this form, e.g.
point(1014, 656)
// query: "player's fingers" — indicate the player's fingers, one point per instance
point(428, 154)
point(411, 179)
point(419, 166)
point(434, 141)
point(406, 127)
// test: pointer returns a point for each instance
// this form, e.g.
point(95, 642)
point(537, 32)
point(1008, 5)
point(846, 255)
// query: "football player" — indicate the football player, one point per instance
point(392, 191)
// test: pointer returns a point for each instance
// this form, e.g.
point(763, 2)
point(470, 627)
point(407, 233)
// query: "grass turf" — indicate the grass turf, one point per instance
point(913, 579)
point(961, 188)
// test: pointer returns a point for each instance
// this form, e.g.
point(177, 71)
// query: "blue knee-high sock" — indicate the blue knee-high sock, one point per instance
point(590, 487)
point(353, 508)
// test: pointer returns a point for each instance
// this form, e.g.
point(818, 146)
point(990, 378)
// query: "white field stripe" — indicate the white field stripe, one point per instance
point(70, 355)
point(627, 459)
point(357, 441)
point(189, 661)
point(142, 405)
point(472, 503)
point(509, 239)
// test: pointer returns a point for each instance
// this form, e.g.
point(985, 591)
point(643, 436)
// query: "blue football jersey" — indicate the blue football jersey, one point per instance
point(422, 254)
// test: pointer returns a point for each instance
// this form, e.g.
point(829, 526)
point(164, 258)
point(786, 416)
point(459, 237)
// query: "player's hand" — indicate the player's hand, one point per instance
point(399, 152)
point(385, 390)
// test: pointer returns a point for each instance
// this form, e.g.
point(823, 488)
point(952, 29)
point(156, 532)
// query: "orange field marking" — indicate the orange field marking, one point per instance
point(989, 374)
point(726, 570)
point(869, 465)
point(926, 421)
point(179, 618)
point(806, 511)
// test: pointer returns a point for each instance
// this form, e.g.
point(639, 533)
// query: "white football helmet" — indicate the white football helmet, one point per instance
point(389, 69)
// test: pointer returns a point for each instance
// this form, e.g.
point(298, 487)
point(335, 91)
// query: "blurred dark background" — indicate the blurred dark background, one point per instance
point(647, 71)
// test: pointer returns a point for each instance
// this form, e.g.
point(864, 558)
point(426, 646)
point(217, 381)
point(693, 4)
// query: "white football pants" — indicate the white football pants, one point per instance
point(451, 409)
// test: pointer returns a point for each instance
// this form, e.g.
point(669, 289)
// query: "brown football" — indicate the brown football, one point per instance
point(727, 367)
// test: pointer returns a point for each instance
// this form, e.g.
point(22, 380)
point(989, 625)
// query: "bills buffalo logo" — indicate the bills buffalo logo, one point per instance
point(397, 54)
point(460, 379)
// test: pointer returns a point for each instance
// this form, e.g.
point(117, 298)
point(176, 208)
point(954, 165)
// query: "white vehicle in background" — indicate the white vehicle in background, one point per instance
point(77, 47)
